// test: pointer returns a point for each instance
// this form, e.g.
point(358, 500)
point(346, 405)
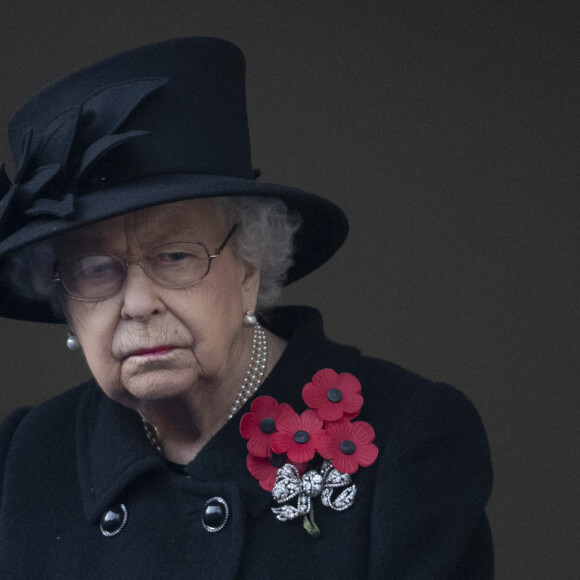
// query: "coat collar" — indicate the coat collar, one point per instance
point(113, 451)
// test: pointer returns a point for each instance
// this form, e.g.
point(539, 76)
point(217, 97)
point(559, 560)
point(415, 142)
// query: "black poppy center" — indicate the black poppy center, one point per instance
point(277, 459)
point(334, 395)
point(301, 436)
point(267, 425)
point(347, 447)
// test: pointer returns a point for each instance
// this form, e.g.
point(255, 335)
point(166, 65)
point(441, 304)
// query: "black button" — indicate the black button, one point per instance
point(347, 447)
point(214, 515)
point(334, 395)
point(267, 425)
point(301, 436)
point(113, 520)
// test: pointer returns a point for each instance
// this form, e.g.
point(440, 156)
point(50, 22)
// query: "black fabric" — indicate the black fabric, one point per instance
point(418, 513)
point(157, 124)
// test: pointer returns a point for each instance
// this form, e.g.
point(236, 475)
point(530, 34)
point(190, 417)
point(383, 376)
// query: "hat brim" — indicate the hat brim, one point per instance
point(324, 226)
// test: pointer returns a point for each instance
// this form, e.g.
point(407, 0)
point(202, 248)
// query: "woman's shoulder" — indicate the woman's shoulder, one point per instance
point(394, 398)
point(33, 437)
point(8, 426)
point(384, 381)
point(57, 414)
point(400, 401)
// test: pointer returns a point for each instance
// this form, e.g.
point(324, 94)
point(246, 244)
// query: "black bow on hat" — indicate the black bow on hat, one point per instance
point(48, 178)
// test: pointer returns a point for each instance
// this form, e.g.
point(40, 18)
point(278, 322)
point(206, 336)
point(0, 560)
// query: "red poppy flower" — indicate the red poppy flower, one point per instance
point(259, 424)
point(348, 445)
point(265, 469)
point(333, 396)
point(297, 435)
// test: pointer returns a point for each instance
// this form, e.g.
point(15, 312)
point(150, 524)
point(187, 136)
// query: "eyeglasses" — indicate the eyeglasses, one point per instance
point(94, 277)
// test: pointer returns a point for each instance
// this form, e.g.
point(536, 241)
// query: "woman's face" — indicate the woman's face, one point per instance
point(148, 342)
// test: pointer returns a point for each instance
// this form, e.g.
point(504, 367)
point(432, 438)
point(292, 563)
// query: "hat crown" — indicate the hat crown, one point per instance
point(195, 123)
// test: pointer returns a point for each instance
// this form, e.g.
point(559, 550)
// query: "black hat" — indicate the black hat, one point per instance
point(161, 123)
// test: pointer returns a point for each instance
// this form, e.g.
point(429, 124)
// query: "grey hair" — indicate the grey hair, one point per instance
point(264, 238)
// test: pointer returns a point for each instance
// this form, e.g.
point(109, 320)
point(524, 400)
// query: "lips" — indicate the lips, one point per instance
point(154, 351)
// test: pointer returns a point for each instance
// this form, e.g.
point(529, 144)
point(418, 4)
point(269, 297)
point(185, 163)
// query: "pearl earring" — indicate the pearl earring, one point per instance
point(250, 318)
point(72, 342)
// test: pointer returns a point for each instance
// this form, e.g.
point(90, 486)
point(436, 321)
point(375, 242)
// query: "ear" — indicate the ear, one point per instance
point(250, 285)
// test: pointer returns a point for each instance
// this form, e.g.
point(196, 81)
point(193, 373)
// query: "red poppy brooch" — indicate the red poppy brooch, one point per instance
point(313, 454)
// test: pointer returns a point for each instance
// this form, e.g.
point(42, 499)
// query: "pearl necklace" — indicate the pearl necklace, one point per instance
point(256, 370)
point(253, 379)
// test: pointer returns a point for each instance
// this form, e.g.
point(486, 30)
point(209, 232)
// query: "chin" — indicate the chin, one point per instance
point(155, 386)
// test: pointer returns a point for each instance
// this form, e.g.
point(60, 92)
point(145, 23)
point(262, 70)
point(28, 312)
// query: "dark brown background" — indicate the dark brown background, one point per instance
point(448, 132)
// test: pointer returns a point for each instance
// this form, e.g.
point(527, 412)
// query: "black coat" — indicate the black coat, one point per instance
point(418, 513)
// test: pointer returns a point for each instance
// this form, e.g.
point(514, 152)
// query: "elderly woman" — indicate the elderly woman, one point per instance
point(220, 437)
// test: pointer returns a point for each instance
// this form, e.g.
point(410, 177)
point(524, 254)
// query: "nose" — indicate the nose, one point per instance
point(141, 296)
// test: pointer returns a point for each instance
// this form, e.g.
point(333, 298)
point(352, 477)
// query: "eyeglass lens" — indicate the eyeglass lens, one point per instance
point(174, 265)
